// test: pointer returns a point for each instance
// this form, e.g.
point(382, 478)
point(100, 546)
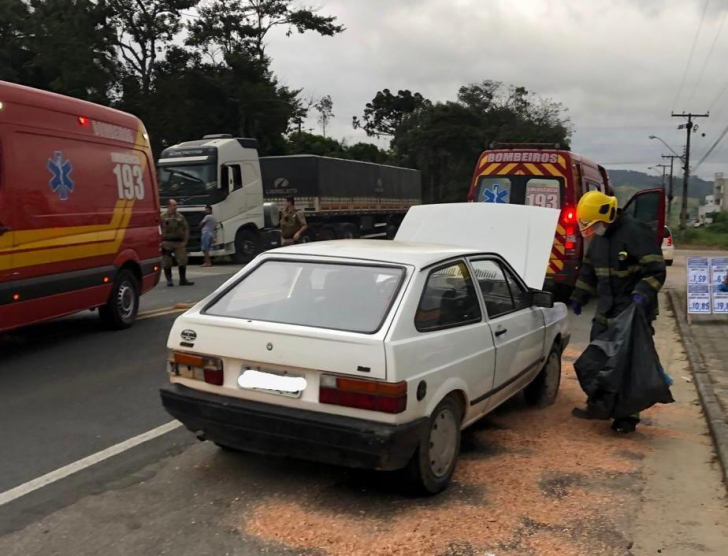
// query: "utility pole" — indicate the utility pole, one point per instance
point(670, 195)
point(690, 126)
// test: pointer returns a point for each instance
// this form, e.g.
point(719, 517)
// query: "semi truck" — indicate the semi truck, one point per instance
point(341, 199)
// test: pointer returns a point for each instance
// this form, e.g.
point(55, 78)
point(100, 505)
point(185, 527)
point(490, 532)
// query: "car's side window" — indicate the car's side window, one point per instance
point(521, 297)
point(494, 286)
point(448, 299)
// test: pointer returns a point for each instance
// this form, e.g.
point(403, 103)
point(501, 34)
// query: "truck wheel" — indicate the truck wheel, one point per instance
point(433, 464)
point(392, 230)
point(246, 246)
point(543, 390)
point(348, 231)
point(326, 234)
point(121, 310)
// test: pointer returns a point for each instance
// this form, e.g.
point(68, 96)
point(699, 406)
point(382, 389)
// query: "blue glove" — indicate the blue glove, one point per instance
point(640, 300)
point(575, 307)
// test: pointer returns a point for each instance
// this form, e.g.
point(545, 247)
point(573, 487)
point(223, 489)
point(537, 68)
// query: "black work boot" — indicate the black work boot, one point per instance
point(625, 425)
point(183, 277)
point(168, 276)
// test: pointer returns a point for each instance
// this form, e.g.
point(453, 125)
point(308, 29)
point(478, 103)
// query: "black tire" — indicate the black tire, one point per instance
point(246, 246)
point(326, 234)
point(669, 263)
point(543, 390)
point(429, 473)
point(225, 448)
point(347, 231)
point(121, 309)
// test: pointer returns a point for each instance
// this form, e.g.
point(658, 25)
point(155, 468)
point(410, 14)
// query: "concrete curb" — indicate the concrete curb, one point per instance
point(713, 411)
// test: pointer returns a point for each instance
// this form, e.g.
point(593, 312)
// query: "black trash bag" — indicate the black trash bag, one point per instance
point(620, 371)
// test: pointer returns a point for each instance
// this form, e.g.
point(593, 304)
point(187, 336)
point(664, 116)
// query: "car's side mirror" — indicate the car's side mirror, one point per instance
point(544, 300)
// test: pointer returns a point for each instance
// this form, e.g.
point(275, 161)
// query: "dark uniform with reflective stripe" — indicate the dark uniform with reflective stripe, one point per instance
point(626, 260)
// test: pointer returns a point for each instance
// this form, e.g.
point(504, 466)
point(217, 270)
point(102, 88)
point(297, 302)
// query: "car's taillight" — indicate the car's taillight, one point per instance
point(206, 368)
point(384, 397)
point(669, 241)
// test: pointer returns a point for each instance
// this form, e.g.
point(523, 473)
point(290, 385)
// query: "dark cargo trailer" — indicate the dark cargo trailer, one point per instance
point(342, 198)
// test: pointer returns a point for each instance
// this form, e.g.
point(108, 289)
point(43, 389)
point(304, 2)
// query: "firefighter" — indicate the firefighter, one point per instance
point(623, 265)
point(175, 233)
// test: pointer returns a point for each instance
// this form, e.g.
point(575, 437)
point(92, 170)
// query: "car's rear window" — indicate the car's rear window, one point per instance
point(349, 297)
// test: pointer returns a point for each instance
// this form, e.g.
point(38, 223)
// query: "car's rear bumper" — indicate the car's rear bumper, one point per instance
point(283, 431)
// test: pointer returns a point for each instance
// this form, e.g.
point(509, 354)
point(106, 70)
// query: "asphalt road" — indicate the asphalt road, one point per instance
point(69, 389)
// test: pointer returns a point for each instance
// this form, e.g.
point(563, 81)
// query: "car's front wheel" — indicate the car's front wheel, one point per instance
point(433, 464)
point(543, 390)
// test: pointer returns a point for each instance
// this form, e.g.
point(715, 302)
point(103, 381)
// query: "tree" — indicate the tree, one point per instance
point(144, 29)
point(242, 25)
point(384, 114)
point(325, 108)
point(444, 140)
point(63, 46)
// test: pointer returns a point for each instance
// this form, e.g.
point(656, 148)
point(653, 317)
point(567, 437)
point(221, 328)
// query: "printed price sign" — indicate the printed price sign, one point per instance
point(699, 299)
point(718, 270)
point(698, 271)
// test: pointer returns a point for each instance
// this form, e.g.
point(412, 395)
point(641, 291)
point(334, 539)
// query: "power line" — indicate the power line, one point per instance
point(692, 52)
point(707, 59)
point(712, 148)
point(720, 94)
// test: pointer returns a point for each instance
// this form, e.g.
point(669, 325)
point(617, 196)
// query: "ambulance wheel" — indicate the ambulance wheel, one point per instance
point(246, 246)
point(543, 390)
point(433, 464)
point(668, 262)
point(121, 310)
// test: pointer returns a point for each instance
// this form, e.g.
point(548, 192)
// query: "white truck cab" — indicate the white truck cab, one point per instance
point(223, 172)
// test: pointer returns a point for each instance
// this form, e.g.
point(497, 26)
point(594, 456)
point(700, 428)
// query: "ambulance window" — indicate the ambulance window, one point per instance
point(591, 186)
point(543, 192)
point(494, 190)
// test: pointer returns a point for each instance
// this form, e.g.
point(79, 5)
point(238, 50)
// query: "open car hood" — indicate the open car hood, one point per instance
point(523, 235)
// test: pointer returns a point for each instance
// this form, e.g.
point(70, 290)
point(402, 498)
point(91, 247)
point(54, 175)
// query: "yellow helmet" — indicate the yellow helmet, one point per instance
point(595, 207)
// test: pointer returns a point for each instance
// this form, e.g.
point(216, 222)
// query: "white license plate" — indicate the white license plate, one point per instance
point(283, 385)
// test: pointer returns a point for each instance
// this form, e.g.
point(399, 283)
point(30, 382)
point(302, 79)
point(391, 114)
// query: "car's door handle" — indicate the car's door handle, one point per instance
point(500, 332)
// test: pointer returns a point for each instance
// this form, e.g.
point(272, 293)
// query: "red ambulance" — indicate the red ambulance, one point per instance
point(79, 210)
point(543, 175)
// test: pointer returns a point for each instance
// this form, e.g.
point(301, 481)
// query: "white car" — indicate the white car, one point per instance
point(668, 247)
point(367, 353)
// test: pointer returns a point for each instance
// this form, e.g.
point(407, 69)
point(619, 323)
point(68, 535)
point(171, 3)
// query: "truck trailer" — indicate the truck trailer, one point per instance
point(341, 199)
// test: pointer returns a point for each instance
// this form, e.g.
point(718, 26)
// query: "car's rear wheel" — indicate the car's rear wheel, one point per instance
point(668, 262)
point(433, 464)
point(121, 309)
point(543, 390)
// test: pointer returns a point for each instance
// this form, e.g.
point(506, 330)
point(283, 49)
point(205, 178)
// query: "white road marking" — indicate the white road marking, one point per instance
point(63, 472)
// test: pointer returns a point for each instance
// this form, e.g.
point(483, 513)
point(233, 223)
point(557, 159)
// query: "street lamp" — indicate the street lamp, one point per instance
point(668, 146)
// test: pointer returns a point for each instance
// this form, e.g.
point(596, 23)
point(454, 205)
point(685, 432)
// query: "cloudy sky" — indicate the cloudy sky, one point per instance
point(616, 64)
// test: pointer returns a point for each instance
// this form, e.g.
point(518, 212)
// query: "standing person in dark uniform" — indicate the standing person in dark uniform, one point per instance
point(623, 265)
point(293, 223)
point(175, 234)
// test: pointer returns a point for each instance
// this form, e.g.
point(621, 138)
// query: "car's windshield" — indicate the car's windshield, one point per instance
point(521, 190)
point(348, 297)
point(188, 180)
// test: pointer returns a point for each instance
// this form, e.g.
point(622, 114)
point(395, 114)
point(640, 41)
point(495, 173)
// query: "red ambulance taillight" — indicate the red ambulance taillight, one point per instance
point(83, 121)
point(568, 221)
point(384, 397)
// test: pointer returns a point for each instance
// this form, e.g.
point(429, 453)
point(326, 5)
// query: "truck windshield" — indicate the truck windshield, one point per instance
point(536, 191)
point(187, 182)
point(347, 297)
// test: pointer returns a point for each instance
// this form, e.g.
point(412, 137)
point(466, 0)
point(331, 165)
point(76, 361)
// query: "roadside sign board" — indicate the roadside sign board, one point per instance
point(718, 271)
point(699, 287)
